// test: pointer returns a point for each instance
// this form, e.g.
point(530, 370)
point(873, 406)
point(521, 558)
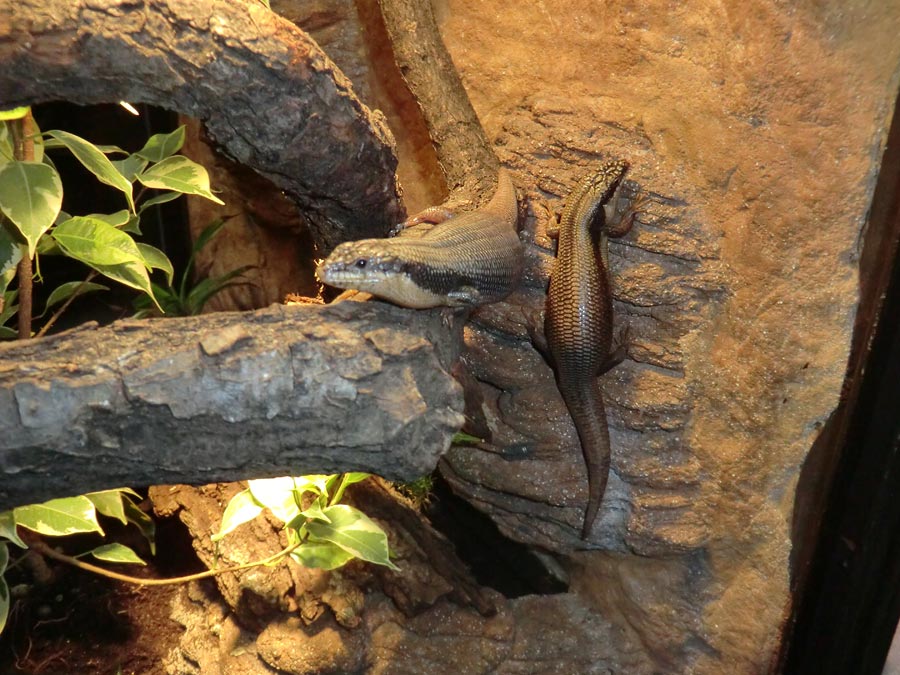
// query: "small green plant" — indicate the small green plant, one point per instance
point(321, 532)
point(186, 300)
point(417, 491)
point(73, 515)
point(32, 223)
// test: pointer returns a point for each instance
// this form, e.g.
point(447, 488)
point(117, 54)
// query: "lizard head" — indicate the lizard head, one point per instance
point(606, 180)
point(372, 265)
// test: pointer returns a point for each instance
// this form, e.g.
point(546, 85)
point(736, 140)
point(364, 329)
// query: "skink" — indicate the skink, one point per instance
point(471, 259)
point(579, 317)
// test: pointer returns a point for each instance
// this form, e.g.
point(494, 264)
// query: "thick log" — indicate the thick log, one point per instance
point(268, 95)
point(285, 390)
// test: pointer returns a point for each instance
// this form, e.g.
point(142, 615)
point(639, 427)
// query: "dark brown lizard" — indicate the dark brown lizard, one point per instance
point(579, 318)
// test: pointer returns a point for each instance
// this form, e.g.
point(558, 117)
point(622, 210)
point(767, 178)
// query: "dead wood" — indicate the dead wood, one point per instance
point(269, 96)
point(280, 391)
point(463, 150)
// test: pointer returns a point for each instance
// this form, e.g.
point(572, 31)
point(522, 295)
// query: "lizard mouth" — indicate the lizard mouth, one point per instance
point(334, 275)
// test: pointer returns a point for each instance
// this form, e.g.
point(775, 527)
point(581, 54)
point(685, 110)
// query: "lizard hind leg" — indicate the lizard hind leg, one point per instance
point(434, 215)
point(619, 352)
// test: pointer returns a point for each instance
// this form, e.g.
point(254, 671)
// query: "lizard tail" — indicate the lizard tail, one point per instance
point(586, 407)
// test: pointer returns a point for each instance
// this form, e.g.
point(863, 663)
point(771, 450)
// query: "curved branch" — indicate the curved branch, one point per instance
point(268, 94)
point(463, 150)
point(43, 549)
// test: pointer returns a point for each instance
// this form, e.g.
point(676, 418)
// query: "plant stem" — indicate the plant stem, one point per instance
point(24, 150)
point(24, 272)
point(339, 493)
point(44, 549)
point(65, 305)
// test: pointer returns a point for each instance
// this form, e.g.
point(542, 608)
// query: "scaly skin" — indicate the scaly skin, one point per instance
point(579, 318)
point(471, 259)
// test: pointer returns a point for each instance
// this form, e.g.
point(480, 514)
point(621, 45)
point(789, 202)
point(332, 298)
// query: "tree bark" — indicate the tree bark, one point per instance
point(281, 391)
point(268, 95)
point(466, 156)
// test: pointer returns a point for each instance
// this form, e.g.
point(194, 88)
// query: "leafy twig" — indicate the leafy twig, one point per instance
point(65, 305)
point(46, 550)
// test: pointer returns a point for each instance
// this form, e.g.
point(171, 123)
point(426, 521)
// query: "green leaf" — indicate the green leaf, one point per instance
point(10, 251)
point(208, 233)
point(200, 294)
point(354, 532)
point(133, 226)
point(59, 517)
point(156, 259)
point(4, 558)
point(354, 477)
point(461, 437)
point(117, 219)
point(159, 199)
point(53, 144)
point(111, 150)
point(109, 503)
point(95, 242)
point(30, 196)
point(321, 555)
point(130, 167)
point(108, 250)
point(123, 220)
point(4, 603)
point(47, 246)
point(278, 494)
point(180, 174)
point(7, 153)
point(314, 511)
point(241, 509)
point(8, 529)
point(166, 299)
point(14, 113)
point(160, 146)
point(117, 553)
point(142, 521)
point(68, 289)
point(95, 162)
point(10, 307)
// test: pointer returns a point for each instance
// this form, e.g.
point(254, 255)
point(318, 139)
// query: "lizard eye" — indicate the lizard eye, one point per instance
point(361, 263)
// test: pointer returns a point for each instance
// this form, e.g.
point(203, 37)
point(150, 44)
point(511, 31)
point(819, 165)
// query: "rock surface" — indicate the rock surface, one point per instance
point(757, 134)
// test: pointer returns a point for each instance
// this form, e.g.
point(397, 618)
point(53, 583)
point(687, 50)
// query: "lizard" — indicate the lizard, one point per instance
point(578, 322)
point(465, 260)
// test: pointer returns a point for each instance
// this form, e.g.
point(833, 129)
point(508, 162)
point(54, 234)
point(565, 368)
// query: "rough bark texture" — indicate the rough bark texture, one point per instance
point(281, 391)
point(463, 151)
point(268, 95)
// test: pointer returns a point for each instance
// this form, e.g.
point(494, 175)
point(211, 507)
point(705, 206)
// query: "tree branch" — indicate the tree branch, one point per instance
point(269, 96)
point(280, 391)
